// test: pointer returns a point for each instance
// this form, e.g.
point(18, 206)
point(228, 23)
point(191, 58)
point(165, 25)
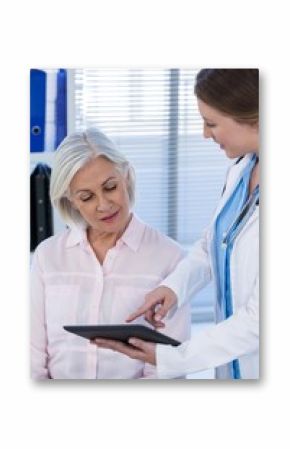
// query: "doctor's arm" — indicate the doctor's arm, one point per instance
point(178, 326)
point(235, 337)
point(191, 274)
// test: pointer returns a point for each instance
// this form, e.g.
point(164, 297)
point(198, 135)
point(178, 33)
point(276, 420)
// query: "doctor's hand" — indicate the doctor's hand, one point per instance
point(156, 306)
point(136, 349)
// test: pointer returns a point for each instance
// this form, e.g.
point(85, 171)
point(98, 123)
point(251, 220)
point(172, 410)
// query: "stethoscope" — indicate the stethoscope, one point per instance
point(246, 212)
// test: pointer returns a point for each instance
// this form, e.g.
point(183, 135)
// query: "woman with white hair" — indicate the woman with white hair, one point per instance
point(98, 270)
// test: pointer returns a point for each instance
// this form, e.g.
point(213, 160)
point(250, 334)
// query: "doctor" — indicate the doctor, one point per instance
point(227, 253)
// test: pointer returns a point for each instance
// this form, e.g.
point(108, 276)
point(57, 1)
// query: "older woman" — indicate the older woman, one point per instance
point(99, 269)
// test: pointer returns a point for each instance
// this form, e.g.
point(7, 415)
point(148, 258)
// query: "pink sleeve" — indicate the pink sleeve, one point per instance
point(38, 345)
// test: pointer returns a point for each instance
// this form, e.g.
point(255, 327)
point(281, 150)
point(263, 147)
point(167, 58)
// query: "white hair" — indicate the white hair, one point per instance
point(75, 151)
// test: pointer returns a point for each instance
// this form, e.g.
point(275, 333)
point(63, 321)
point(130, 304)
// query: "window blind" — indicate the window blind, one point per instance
point(152, 115)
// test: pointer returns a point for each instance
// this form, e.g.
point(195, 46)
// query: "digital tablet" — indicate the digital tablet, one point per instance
point(122, 332)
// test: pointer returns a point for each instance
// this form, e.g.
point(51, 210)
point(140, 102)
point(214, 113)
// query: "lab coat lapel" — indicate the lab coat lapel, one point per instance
point(233, 175)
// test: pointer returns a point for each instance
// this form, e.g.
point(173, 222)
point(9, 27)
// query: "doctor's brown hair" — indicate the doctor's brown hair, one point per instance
point(234, 92)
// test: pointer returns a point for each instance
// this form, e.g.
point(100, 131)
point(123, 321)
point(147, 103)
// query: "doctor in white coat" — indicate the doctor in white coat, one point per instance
point(227, 253)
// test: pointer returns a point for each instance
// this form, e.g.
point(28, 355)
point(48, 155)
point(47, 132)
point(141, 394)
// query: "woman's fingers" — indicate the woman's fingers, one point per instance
point(114, 345)
point(149, 317)
point(139, 312)
point(151, 300)
point(137, 349)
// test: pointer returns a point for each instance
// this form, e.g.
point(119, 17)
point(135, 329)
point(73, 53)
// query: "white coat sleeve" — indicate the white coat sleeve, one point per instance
point(220, 344)
point(192, 273)
point(178, 325)
point(38, 335)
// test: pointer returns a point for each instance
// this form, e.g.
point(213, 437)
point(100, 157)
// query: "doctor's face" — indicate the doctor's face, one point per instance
point(236, 139)
point(99, 192)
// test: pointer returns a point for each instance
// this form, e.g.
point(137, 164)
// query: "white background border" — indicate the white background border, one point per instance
point(199, 414)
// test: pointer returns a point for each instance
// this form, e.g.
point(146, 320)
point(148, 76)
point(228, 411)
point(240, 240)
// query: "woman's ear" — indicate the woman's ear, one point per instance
point(72, 203)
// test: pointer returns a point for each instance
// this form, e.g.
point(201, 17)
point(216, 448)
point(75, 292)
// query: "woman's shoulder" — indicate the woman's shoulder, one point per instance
point(158, 239)
point(162, 251)
point(53, 242)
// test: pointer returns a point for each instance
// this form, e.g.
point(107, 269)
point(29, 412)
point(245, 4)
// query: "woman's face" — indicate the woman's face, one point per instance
point(236, 139)
point(99, 192)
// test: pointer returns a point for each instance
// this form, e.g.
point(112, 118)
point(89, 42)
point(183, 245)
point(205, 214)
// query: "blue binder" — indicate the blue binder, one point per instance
point(61, 107)
point(37, 109)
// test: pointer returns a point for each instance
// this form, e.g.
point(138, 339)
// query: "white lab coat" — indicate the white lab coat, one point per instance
point(236, 337)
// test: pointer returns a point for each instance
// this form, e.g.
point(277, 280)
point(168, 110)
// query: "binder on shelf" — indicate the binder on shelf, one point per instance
point(61, 107)
point(37, 109)
point(41, 216)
